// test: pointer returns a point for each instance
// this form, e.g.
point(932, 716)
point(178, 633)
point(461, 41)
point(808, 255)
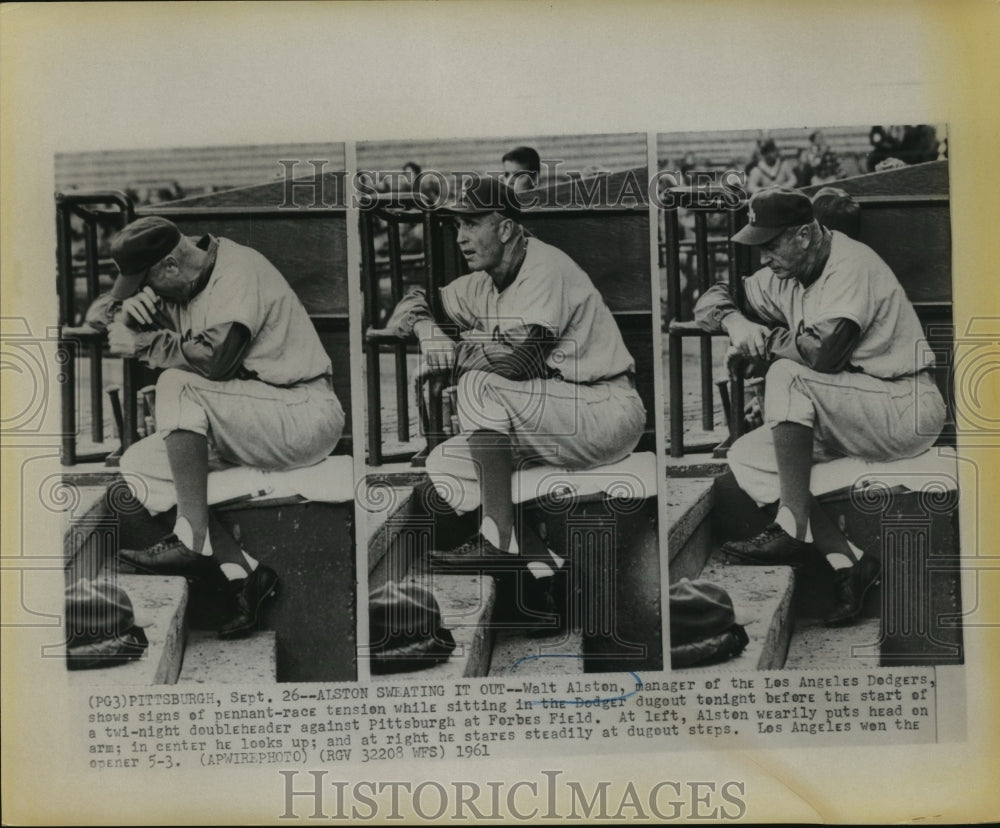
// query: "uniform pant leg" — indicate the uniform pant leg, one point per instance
point(851, 414)
point(246, 423)
point(549, 422)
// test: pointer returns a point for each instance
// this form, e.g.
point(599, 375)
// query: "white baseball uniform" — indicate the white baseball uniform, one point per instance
point(885, 406)
point(281, 414)
point(586, 413)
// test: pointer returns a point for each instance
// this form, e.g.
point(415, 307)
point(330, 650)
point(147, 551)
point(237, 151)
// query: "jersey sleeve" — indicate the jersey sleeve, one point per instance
point(759, 292)
point(410, 310)
point(458, 301)
point(712, 306)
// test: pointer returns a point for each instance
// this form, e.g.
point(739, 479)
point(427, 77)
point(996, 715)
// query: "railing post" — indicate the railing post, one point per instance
point(67, 348)
point(675, 344)
point(739, 263)
point(130, 388)
point(396, 291)
point(372, 372)
point(67, 387)
point(94, 348)
point(704, 283)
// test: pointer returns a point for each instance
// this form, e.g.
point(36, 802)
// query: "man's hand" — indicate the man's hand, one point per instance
point(739, 364)
point(436, 348)
point(749, 338)
point(753, 416)
point(141, 310)
point(122, 340)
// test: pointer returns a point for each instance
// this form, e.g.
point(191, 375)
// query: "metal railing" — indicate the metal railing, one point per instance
point(678, 327)
point(396, 211)
point(108, 210)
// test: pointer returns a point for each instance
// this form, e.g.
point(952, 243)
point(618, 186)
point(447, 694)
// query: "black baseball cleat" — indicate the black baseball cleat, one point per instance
point(250, 594)
point(476, 555)
point(169, 556)
point(850, 585)
point(772, 547)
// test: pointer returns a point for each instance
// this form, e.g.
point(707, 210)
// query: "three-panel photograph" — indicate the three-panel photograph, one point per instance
point(522, 406)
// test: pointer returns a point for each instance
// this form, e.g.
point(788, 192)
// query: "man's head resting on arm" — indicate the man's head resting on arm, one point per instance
point(152, 251)
point(783, 226)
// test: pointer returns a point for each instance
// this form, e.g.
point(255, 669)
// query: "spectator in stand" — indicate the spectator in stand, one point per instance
point(823, 160)
point(762, 137)
point(803, 169)
point(411, 170)
point(901, 145)
point(688, 163)
point(411, 236)
point(771, 170)
point(521, 168)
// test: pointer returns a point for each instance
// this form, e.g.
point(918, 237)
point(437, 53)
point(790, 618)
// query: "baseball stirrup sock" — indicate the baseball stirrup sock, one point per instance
point(488, 529)
point(838, 560)
point(185, 534)
point(233, 571)
point(786, 520)
point(540, 570)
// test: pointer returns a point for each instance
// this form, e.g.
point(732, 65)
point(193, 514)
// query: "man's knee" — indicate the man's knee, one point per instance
point(146, 470)
point(788, 394)
point(143, 456)
point(435, 460)
point(481, 402)
point(751, 460)
point(452, 475)
point(171, 383)
point(783, 373)
point(472, 388)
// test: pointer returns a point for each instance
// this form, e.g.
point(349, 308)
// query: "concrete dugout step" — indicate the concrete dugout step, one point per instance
point(208, 660)
point(517, 654)
point(817, 647)
point(159, 603)
point(689, 505)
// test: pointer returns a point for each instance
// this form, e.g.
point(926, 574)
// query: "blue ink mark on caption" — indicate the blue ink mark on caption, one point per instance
point(580, 702)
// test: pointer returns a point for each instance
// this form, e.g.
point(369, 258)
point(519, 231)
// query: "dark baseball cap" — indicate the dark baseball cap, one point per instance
point(771, 211)
point(139, 246)
point(486, 195)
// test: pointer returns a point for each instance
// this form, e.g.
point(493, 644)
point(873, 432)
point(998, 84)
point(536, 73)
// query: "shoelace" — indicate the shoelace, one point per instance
point(770, 533)
point(165, 545)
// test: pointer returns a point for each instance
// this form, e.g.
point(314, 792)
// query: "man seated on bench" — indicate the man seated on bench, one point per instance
point(848, 374)
point(245, 382)
point(543, 377)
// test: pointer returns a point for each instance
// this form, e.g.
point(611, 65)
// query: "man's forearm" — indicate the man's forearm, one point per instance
point(518, 357)
point(216, 353)
point(411, 311)
point(712, 308)
point(825, 347)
